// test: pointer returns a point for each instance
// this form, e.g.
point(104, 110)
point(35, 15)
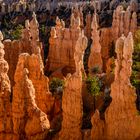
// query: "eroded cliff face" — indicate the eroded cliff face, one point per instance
point(123, 22)
point(5, 92)
point(20, 118)
point(106, 41)
point(62, 47)
point(121, 116)
point(29, 43)
point(95, 58)
point(43, 97)
point(32, 110)
point(72, 109)
point(72, 104)
point(88, 26)
point(29, 122)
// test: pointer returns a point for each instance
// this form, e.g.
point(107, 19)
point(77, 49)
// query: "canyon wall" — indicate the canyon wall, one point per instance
point(20, 118)
point(5, 93)
point(95, 59)
point(29, 43)
point(123, 23)
point(62, 47)
point(124, 125)
point(72, 104)
point(29, 122)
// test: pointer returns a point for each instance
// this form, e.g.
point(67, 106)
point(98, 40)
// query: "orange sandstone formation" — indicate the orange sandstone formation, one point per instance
point(134, 5)
point(29, 122)
point(95, 59)
point(43, 97)
point(78, 12)
point(106, 42)
point(5, 92)
point(126, 124)
point(123, 22)
point(29, 43)
point(62, 46)
point(72, 103)
point(88, 26)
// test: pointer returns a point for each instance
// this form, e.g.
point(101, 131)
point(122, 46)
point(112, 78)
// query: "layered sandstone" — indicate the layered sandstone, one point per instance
point(123, 22)
point(134, 5)
point(29, 43)
point(88, 26)
point(106, 42)
point(78, 12)
point(29, 122)
point(95, 58)
point(72, 103)
point(5, 93)
point(43, 97)
point(62, 46)
point(123, 100)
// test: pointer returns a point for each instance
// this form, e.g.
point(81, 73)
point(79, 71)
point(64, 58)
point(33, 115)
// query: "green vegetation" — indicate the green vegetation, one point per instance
point(14, 33)
point(17, 32)
point(135, 78)
point(43, 30)
point(93, 85)
point(56, 84)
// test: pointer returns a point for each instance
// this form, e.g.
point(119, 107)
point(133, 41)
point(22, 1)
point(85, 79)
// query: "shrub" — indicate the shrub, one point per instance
point(56, 85)
point(17, 33)
point(93, 85)
point(43, 30)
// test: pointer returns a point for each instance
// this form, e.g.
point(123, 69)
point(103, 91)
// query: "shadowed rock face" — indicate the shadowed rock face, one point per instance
point(72, 109)
point(121, 116)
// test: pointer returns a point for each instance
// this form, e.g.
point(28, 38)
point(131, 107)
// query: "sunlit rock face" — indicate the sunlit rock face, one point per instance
point(5, 92)
point(121, 116)
point(106, 42)
point(62, 47)
point(29, 121)
point(29, 43)
point(88, 26)
point(95, 58)
point(123, 22)
point(72, 104)
point(21, 118)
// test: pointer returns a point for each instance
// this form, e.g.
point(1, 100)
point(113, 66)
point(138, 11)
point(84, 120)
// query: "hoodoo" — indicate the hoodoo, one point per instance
point(69, 70)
